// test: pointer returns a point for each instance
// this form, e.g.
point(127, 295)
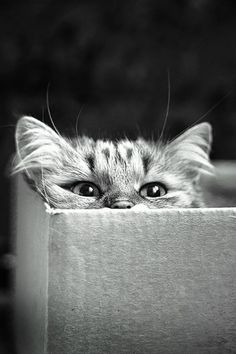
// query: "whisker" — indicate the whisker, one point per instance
point(49, 111)
point(212, 108)
point(77, 119)
point(203, 115)
point(167, 107)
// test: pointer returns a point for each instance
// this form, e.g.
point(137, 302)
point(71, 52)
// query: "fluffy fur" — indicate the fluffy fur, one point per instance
point(51, 163)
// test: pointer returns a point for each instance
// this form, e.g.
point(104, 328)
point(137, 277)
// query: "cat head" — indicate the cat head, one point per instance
point(83, 173)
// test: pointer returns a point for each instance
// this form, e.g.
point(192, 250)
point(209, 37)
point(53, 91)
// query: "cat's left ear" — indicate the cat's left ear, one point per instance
point(192, 148)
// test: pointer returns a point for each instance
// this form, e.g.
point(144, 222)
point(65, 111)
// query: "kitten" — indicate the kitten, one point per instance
point(83, 173)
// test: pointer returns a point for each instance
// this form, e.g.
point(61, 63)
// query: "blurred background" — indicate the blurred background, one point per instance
point(109, 61)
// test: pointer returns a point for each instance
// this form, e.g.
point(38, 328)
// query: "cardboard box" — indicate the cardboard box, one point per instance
point(125, 281)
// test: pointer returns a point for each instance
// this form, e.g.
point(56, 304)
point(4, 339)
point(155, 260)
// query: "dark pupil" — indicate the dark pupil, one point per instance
point(153, 191)
point(87, 190)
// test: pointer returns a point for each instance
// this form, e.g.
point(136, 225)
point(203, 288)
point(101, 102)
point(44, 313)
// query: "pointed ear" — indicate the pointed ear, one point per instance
point(193, 148)
point(37, 146)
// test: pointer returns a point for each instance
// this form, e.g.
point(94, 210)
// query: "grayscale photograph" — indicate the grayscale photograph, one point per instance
point(118, 177)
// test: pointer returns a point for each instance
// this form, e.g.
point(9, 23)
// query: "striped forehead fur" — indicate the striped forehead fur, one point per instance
point(109, 156)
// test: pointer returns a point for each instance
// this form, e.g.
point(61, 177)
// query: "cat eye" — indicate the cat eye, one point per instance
point(152, 190)
point(86, 189)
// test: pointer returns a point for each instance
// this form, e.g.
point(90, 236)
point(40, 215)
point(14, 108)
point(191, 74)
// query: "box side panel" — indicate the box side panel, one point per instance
point(143, 282)
point(32, 271)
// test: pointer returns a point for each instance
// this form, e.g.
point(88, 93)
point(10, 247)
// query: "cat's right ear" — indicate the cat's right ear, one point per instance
point(37, 146)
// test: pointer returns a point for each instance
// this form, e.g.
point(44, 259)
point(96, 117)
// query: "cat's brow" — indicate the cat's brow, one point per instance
point(118, 156)
point(146, 162)
point(124, 153)
point(90, 160)
point(129, 153)
point(106, 152)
